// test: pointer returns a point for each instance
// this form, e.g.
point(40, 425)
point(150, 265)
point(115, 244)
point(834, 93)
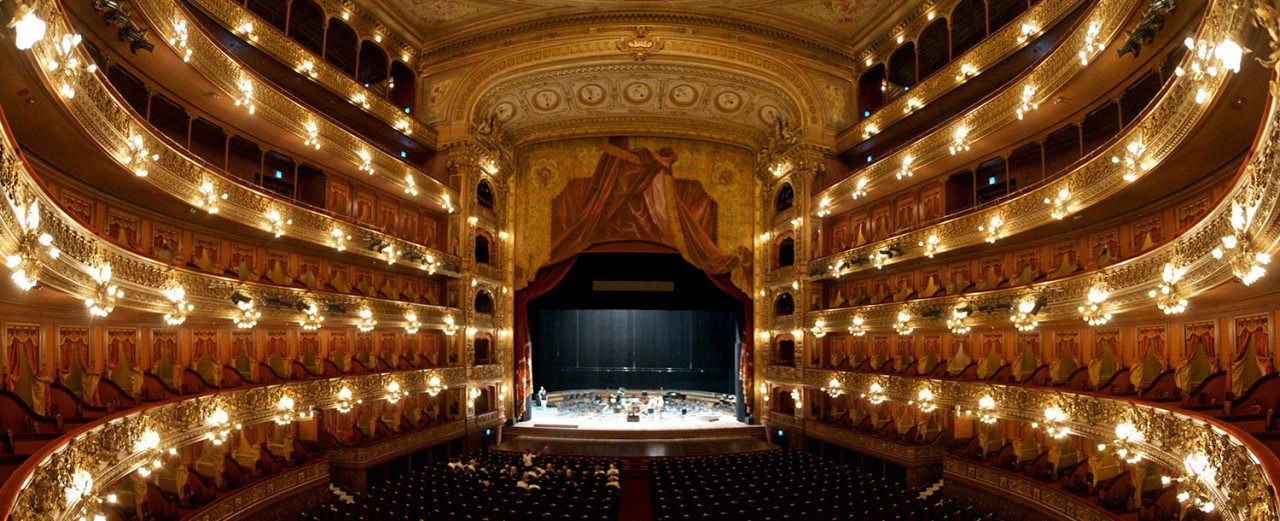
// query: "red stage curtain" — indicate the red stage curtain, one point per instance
point(547, 278)
point(632, 196)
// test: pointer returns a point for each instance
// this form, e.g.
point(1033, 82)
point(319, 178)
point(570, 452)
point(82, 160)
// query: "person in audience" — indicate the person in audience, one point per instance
point(613, 471)
point(528, 458)
point(613, 482)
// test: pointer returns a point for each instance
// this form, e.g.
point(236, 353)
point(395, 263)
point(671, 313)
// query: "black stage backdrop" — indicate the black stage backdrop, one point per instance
point(635, 320)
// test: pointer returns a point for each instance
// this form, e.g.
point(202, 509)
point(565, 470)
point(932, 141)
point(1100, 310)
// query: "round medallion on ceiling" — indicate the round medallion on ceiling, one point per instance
point(546, 99)
point(591, 94)
point(683, 95)
point(637, 92)
point(728, 101)
point(504, 111)
point(770, 114)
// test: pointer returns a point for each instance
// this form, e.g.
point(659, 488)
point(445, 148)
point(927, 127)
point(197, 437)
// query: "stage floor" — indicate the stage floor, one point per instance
point(603, 448)
point(609, 421)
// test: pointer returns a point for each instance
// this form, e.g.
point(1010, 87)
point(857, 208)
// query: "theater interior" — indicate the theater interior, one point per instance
point(643, 260)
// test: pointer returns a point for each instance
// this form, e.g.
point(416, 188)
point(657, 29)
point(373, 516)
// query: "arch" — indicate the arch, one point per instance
point(902, 66)
point(968, 25)
point(401, 88)
point(784, 350)
point(784, 305)
point(483, 250)
point(786, 198)
point(484, 194)
point(483, 302)
point(871, 87)
point(306, 25)
point(372, 66)
point(786, 251)
point(340, 46)
point(933, 49)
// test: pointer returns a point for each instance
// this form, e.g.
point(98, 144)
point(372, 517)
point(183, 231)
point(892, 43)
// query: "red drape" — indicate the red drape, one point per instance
point(632, 196)
point(746, 364)
point(547, 278)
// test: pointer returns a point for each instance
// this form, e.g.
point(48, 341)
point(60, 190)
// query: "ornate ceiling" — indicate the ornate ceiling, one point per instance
point(835, 22)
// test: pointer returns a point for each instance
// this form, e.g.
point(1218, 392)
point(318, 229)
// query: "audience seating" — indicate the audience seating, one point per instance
point(441, 493)
point(781, 485)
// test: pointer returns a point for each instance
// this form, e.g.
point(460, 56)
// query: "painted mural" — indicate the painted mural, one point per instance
point(692, 196)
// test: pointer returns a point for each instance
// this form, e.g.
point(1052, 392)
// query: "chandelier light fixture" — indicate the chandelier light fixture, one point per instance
point(410, 186)
point(411, 323)
point(855, 328)
point(924, 401)
point(818, 330)
point(1198, 472)
point(1024, 314)
point(1237, 246)
point(931, 244)
point(451, 329)
point(28, 28)
point(833, 388)
point(366, 322)
point(434, 386)
point(366, 162)
point(105, 295)
point(208, 197)
point(987, 409)
point(903, 325)
point(313, 134)
point(1132, 163)
point(179, 40)
point(1062, 204)
point(1093, 312)
point(339, 239)
point(177, 297)
point(138, 155)
point(245, 97)
point(67, 67)
point(1093, 43)
point(960, 143)
point(276, 222)
point(1167, 296)
point(994, 229)
point(1054, 418)
point(248, 315)
point(875, 394)
point(859, 189)
point(1028, 98)
point(957, 323)
point(311, 318)
point(905, 171)
point(220, 426)
point(346, 400)
point(307, 67)
point(26, 263)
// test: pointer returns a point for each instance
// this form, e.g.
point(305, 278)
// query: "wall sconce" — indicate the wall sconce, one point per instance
point(472, 395)
point(276, 222)
point(177, 295)
point(1246, 264)
point(1028, 103)
point(994, 229)
point(208, 196)
point(833, 388)
point(1054, 417)
point(796, 397)
point(394, 394)
point(450, 328)
point(433, 385)
point(817, 329)
point(366, 162)
point(245, 99)
point(957, 323)
point(1133, 163)
point(764, 391)
point(248, 316)
point(924, 401)
point(1093, 312)
point(138, 155)
point(1092, 43)
point(903, 326)
point(1062, 204)
point(859, 189)
point(1024, 315)
point(104, 298)
point(905, 171)
point(1167, 296)
point(311, 317)
point(26, 263)
point(960, 143)
point(986, 409)
point(411, 323)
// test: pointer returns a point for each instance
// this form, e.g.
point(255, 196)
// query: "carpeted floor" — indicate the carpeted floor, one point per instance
point(636, 504)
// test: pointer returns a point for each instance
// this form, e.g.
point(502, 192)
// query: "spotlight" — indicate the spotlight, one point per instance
point(240, 299)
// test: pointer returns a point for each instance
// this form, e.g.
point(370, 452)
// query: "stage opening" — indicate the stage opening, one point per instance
point(639, 321)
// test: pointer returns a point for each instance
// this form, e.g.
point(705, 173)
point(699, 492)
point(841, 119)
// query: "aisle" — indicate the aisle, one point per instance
point(636, 504)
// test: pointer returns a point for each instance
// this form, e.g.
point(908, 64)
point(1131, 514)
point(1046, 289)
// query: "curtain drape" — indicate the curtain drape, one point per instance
point(547, 278)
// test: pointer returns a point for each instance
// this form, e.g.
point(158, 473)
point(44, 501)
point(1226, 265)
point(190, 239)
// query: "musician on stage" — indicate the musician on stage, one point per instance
point(542, 397)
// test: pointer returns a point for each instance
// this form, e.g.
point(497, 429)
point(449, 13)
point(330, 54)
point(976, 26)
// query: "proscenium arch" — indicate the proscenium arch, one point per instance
point(600, 49)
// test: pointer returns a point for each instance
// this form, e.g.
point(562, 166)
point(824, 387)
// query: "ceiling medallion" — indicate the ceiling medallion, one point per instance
point(637, 92)
point(591, 94)
point(683, 95)
point(728, 101)
point(640, 45)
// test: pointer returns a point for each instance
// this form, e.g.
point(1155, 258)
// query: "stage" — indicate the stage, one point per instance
point(595, 423)
point(551, 417)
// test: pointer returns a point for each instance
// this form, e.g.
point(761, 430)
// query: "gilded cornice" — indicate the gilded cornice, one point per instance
point(267, 38)
point(996, 112)
point(112, 125)
point(1242, 489)
point(224, 71)
point(108, 449)
point(1162, 128)
point(992, 50)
